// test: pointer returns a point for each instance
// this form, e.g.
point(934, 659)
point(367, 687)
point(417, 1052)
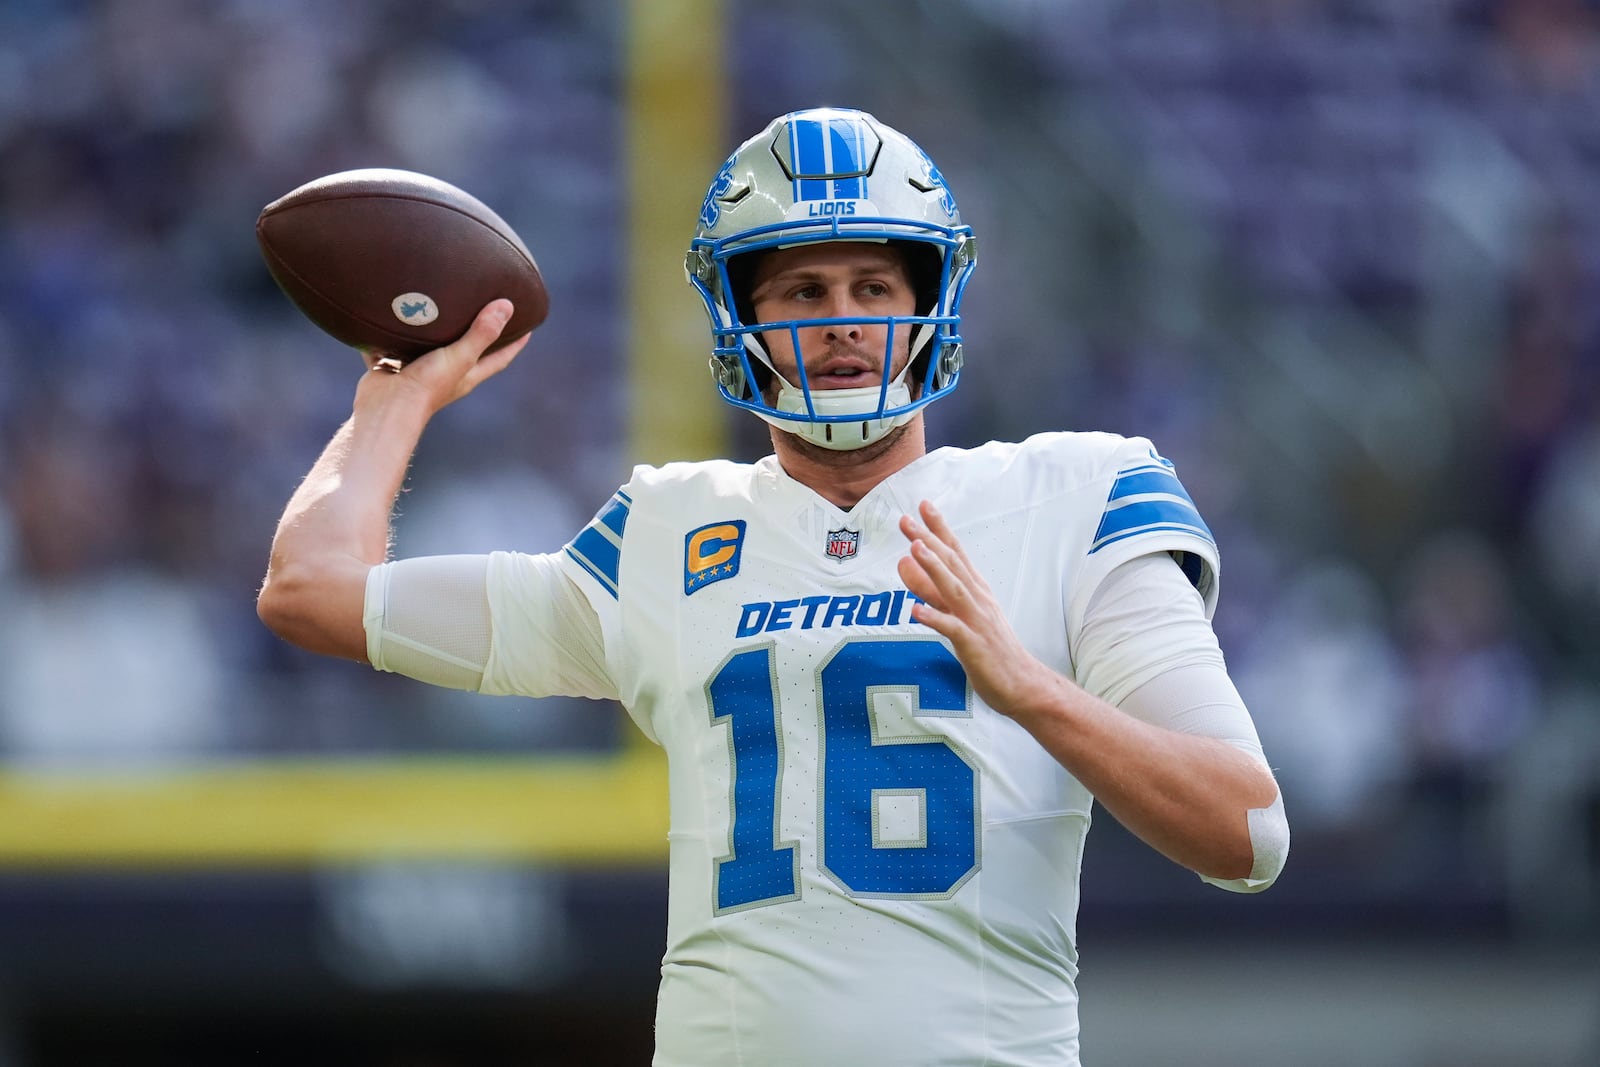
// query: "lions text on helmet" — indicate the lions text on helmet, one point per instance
point(810, 178)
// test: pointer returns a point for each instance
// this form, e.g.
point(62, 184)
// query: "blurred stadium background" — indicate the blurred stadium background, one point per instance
point(1338, 259)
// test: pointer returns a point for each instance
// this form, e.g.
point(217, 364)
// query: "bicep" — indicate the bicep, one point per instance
point(1147, 647)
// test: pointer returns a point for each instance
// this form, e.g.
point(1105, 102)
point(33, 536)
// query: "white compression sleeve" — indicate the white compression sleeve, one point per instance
point(1143, 618)
point(431, 618)
point(428, 619)
point(1147, 647)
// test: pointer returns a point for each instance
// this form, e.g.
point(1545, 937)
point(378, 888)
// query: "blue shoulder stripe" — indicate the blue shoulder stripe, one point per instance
point(598, 546)
point(1145, 481)
point(1146, 499)
point(614, 516)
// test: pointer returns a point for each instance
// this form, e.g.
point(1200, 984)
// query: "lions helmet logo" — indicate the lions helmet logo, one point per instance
point(709, 210)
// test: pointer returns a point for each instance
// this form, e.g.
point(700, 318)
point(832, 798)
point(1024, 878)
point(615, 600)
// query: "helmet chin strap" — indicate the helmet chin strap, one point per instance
point(843, 436)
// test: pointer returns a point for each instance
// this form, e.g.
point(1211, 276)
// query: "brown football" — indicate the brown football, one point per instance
point(394, 261)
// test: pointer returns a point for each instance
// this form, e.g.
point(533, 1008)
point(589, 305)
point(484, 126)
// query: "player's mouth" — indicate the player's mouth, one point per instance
point(844, 374)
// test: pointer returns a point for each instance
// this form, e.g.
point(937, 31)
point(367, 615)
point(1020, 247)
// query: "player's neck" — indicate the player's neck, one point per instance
point(844, 477)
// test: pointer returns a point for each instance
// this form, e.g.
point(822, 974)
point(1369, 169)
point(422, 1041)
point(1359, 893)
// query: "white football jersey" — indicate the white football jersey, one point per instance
point(868, 865)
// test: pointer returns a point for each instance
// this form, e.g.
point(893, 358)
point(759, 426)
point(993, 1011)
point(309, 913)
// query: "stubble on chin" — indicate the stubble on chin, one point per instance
point(837, 458)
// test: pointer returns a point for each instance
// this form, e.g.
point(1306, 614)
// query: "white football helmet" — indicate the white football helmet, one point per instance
point(832, 174)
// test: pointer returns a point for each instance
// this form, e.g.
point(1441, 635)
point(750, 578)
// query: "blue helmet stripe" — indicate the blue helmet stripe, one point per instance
point(810, 157)
point(845, 141)
point(834, 146)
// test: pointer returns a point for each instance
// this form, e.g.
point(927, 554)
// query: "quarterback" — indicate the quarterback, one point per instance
point(890, 683)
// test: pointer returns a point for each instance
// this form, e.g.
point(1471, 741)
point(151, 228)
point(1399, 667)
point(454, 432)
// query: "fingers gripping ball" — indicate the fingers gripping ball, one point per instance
point(398, 262)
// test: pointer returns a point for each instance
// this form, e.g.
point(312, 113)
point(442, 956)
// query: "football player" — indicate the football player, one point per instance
point(889, 682)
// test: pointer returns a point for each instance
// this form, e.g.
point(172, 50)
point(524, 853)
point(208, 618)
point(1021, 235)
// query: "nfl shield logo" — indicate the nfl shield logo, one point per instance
point(842, 544)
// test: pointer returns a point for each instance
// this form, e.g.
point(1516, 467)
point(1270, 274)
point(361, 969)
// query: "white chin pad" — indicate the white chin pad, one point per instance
point(842, 436)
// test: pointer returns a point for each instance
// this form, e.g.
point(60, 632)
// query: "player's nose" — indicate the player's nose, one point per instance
point(843, 305)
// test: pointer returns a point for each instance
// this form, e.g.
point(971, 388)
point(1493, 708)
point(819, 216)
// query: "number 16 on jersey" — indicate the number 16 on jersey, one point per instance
point(868, 778)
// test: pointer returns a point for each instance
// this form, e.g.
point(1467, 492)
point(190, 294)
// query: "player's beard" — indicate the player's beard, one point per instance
point(837, 458)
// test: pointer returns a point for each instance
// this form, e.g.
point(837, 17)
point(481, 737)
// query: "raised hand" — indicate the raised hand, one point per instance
point(958, 604)
point(447, 374)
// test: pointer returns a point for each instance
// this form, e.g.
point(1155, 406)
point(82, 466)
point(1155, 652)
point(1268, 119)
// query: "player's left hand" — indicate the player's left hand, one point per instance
point(958, 604)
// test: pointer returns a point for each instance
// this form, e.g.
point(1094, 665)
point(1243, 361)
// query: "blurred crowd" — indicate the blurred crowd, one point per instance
point(1335, 258)
point(160, 398)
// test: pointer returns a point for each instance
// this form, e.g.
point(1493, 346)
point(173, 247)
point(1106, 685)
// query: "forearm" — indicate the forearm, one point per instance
point(336, 525)
point(335, 528)
point(1187, 796)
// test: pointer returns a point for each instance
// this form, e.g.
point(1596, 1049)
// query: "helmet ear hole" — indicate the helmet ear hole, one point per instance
point(924, 266)
point(741, 280)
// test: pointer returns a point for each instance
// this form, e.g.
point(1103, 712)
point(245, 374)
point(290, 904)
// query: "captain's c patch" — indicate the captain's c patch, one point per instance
point(711, 554)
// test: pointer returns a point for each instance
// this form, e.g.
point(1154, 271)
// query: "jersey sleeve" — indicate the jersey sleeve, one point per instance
point(500, 624)
point(1137, 506)
point(546, 637)
point(592, 568)
point(594, 561)
point(1143, 620)
point(596, 552)
point(575, 592)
